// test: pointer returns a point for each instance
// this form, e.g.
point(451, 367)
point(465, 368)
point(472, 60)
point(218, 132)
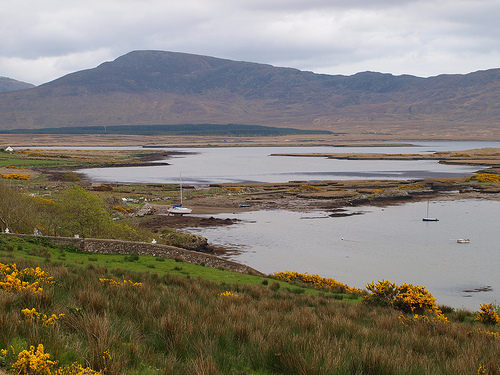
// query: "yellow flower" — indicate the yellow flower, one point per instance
point(33, 362)
point(488, 314)
point(227, 293)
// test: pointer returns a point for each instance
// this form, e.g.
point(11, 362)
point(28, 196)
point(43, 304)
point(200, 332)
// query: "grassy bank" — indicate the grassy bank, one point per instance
point(123, 316)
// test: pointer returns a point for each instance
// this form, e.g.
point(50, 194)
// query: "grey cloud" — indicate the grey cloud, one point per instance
point(415, 36)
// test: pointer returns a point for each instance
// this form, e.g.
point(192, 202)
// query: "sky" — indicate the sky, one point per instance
point(44, 40)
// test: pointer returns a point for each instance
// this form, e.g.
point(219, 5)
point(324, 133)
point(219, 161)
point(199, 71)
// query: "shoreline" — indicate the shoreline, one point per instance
point(336, 208)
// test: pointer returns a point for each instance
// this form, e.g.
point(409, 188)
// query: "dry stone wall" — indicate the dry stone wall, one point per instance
point(105, 246)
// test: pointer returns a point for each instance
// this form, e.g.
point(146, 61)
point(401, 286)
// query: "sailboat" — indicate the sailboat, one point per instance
point(179, 209)
point(427, 218)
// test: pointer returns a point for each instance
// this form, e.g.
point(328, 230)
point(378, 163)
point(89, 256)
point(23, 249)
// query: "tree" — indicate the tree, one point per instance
point(84, 214)
point(16, 210)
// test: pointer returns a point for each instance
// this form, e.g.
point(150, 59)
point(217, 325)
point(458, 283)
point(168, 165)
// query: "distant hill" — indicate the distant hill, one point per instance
point(9, 84)
point(165, 88)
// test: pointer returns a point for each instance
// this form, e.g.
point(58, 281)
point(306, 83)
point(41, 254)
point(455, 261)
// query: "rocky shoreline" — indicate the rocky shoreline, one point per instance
point(378, 193)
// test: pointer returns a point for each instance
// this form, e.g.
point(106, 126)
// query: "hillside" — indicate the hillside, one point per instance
point(150, 315)
point(163, 88)
point(9, 84)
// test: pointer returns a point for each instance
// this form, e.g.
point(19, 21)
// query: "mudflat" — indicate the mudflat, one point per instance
point(51, 169)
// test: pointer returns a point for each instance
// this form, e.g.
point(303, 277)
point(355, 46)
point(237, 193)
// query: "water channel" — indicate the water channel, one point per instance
point(380, 243)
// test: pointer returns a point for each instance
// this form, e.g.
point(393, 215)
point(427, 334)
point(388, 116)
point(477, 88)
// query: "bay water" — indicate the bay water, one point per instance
point(391, 243)
point(202, 166)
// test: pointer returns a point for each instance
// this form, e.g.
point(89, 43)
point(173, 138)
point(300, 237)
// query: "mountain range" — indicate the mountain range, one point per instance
point(166, 88)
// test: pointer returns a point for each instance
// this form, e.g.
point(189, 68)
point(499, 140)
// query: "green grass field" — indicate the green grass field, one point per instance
point(117, 314)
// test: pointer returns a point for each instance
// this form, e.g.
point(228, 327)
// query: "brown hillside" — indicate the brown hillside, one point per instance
point(9, 84)
point(155, 87)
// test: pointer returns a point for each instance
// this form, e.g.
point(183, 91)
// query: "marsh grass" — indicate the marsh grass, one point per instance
point(172, 324)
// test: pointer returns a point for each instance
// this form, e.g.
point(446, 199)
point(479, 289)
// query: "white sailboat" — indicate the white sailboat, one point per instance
point(178, 209)
point(427, 218)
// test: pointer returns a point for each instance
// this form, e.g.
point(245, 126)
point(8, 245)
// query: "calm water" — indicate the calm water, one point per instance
point(383, 243)
point(391, 243)
point(254, 164)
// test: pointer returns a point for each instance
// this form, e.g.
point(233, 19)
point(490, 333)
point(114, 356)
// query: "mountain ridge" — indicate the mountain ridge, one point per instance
point(166, 88)
point(9, 84)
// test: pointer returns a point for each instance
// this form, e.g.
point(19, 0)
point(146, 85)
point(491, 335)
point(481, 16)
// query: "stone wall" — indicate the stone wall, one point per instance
point(105, 246)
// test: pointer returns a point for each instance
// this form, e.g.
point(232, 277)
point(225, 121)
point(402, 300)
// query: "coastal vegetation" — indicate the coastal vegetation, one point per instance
point(76, 211)
point(61, 316)
point(67, 312)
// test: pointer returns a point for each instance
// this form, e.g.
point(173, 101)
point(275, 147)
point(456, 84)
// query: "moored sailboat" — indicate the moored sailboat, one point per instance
point(427, 218)
point(178, 209)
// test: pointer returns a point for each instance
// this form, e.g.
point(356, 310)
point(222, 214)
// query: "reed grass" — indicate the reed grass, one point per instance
point(173, 324)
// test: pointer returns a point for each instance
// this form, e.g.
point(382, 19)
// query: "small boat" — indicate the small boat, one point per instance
point(427, 218)
point(244, 205)
point(179, 209)
point(463, 240)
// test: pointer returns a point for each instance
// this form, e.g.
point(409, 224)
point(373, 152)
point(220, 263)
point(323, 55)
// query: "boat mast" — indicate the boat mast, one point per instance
point(181, 187)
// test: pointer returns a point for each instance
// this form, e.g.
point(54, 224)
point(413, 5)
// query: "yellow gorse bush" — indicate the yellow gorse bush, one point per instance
point(36, 317)
point(411, 187)
point(485, 177)
point(118, 283)
point(494, 335)
point(304, 188)
point(317, 281)
point(13, 167)
point(33, 362)
point(232, 189)
point(481, 370)
point(383, 293)
point(488, 314)
point(44, 200)
point(37, 362)
point(407, 298)
point(227, 293)
point(15, 176)
point(416, 318)
point(29, 279)
point(411, 298)
point(75, 369)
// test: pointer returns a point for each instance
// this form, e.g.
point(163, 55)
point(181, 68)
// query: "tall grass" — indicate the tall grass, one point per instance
point(180, 325)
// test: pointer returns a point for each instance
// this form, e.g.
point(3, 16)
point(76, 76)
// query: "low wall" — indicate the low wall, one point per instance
point(105, 246)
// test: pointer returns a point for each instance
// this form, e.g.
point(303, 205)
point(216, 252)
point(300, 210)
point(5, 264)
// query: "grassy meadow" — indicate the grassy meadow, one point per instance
point(63, 312)
point(117, 314)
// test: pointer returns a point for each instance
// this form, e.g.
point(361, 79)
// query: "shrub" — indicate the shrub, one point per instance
point(33, 362)
point(382, 294)
point(233, 189)
point(71, 177)
point(134, 257)
point(414, 299)
point(103, 187)
point(488, 314)
point(485, 177)
point(407, 298)
point(317, 281)
point(16, 176)
point(304, 188)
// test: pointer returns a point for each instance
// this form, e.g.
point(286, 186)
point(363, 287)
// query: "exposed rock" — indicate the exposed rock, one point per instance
point(146, 209)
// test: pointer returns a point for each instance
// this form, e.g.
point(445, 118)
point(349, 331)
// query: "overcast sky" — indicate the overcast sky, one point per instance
point(41, 40)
